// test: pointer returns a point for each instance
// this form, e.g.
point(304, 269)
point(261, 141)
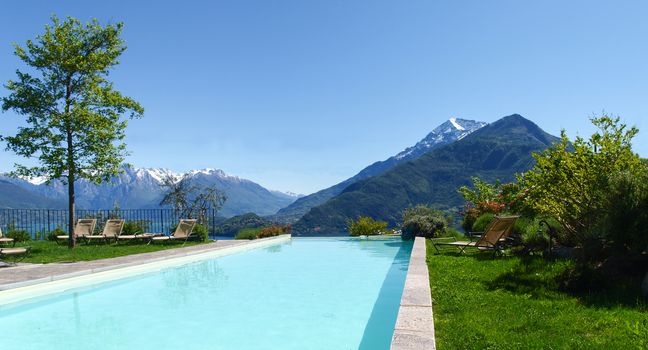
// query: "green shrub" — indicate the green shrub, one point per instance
point(423, 226)
point(366, 226)
point(19, 235)
point(135, 227)
point(452, 232)
point(423, 221)
point(274, 230)
point(201, 232)
point(248, 233)
point(56, 232)
point(469, 217)
point(482, 222)
point(625, 224)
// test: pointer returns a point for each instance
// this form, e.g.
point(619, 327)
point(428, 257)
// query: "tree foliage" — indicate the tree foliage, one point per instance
point(74, 116)
point(422, 220)
point(366, 226)
point(570, 180)
point(191, 200)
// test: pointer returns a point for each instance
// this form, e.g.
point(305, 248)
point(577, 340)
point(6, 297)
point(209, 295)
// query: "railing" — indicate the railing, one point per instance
point(39, 222)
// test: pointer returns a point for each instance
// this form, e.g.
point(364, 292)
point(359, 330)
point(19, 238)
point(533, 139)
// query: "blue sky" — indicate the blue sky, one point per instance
point(299, 95)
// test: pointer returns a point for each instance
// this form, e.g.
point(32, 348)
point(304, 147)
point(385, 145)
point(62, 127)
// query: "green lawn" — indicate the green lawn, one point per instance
point(49, 252)
point(510, 303)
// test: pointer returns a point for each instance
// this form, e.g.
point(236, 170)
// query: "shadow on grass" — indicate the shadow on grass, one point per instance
point(557, 279)
point(540, 278)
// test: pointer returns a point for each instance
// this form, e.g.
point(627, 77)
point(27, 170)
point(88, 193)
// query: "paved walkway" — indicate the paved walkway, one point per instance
point(25, 274)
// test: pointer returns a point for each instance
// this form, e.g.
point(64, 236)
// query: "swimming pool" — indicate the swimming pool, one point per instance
point(306, 293)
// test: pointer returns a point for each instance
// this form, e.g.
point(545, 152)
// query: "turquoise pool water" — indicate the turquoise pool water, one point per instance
point(308, 293)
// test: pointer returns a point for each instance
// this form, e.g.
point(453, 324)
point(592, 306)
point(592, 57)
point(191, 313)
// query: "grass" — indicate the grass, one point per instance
point(514, 303)
point(49, 252)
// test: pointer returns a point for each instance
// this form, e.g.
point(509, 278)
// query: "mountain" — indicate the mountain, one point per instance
point(232, 225)
point(13, 196)
point(452, 130)
point(496, 151)
point(140, 188)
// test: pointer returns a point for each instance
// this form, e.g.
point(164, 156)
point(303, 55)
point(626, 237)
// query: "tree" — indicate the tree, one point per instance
point(570, 180)
point(366, 226)
point(190, 200)
point(75, 117)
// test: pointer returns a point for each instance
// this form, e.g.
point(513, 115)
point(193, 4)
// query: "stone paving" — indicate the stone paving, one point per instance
point(415, 325)
point(27, 274)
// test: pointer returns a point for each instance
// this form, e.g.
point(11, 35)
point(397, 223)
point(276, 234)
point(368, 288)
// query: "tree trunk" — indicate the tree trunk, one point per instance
point(71, 178)
point(72, 236)
point(71, 167)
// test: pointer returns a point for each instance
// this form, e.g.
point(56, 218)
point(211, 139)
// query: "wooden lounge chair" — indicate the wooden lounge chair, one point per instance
point(182, 232)
point(112, 229)
point(83, 227)
point(136, 237)
point(494, 238)
point(16, 254)
point(6, 240)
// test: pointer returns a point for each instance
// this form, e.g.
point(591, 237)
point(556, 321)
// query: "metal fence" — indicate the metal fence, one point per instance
point(39, 222)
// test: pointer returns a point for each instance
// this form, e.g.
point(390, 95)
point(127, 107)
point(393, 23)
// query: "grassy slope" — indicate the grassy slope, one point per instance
point(49, 252)
point(481, 303)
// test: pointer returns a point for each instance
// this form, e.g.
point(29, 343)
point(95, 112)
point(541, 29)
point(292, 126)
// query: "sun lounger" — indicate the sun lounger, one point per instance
point(6, 240)
point(493, 238)
point(83, 227)
point(182, 232)
point(16, 254)
point(112, 229)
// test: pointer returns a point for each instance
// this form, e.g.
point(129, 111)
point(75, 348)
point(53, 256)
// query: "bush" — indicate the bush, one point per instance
point(626, 221)
point(18, 235)
point(135, 227)
point(274, 230)
point(423, 226)
point(366, 226)
point(534, 235)
point(248, 233)
point(56, 232)
point(469, 217)
point(451, 232)
point(423, 221)
point(482, 222)
point(201, 232)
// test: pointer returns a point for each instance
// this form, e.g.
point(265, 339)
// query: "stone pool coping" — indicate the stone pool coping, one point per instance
point(28, 281)
point(415, 325)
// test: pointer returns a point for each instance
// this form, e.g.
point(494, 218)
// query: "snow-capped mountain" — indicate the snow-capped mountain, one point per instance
point(141, 188)
point(452, 130)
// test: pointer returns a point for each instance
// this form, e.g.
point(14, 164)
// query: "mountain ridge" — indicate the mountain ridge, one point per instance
point(141, 188)
point(451, 130)
point(496, 151)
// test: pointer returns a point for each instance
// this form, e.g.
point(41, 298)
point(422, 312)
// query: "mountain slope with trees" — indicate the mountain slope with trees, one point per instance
point(450, 131)
point(497, 151)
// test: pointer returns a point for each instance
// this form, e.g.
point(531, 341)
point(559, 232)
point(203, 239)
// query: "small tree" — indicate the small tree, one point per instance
point(570, 180)
point(75, 126)
point(190, 200)
point(366, 226)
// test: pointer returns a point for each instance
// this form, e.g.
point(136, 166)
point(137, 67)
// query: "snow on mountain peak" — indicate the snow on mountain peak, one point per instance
point(452, 130)
point(158, 174)
point(37, 180)
point(455, 124)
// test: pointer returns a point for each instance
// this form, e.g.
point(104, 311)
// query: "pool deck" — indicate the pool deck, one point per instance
point(415, 325)
point(24, 275)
